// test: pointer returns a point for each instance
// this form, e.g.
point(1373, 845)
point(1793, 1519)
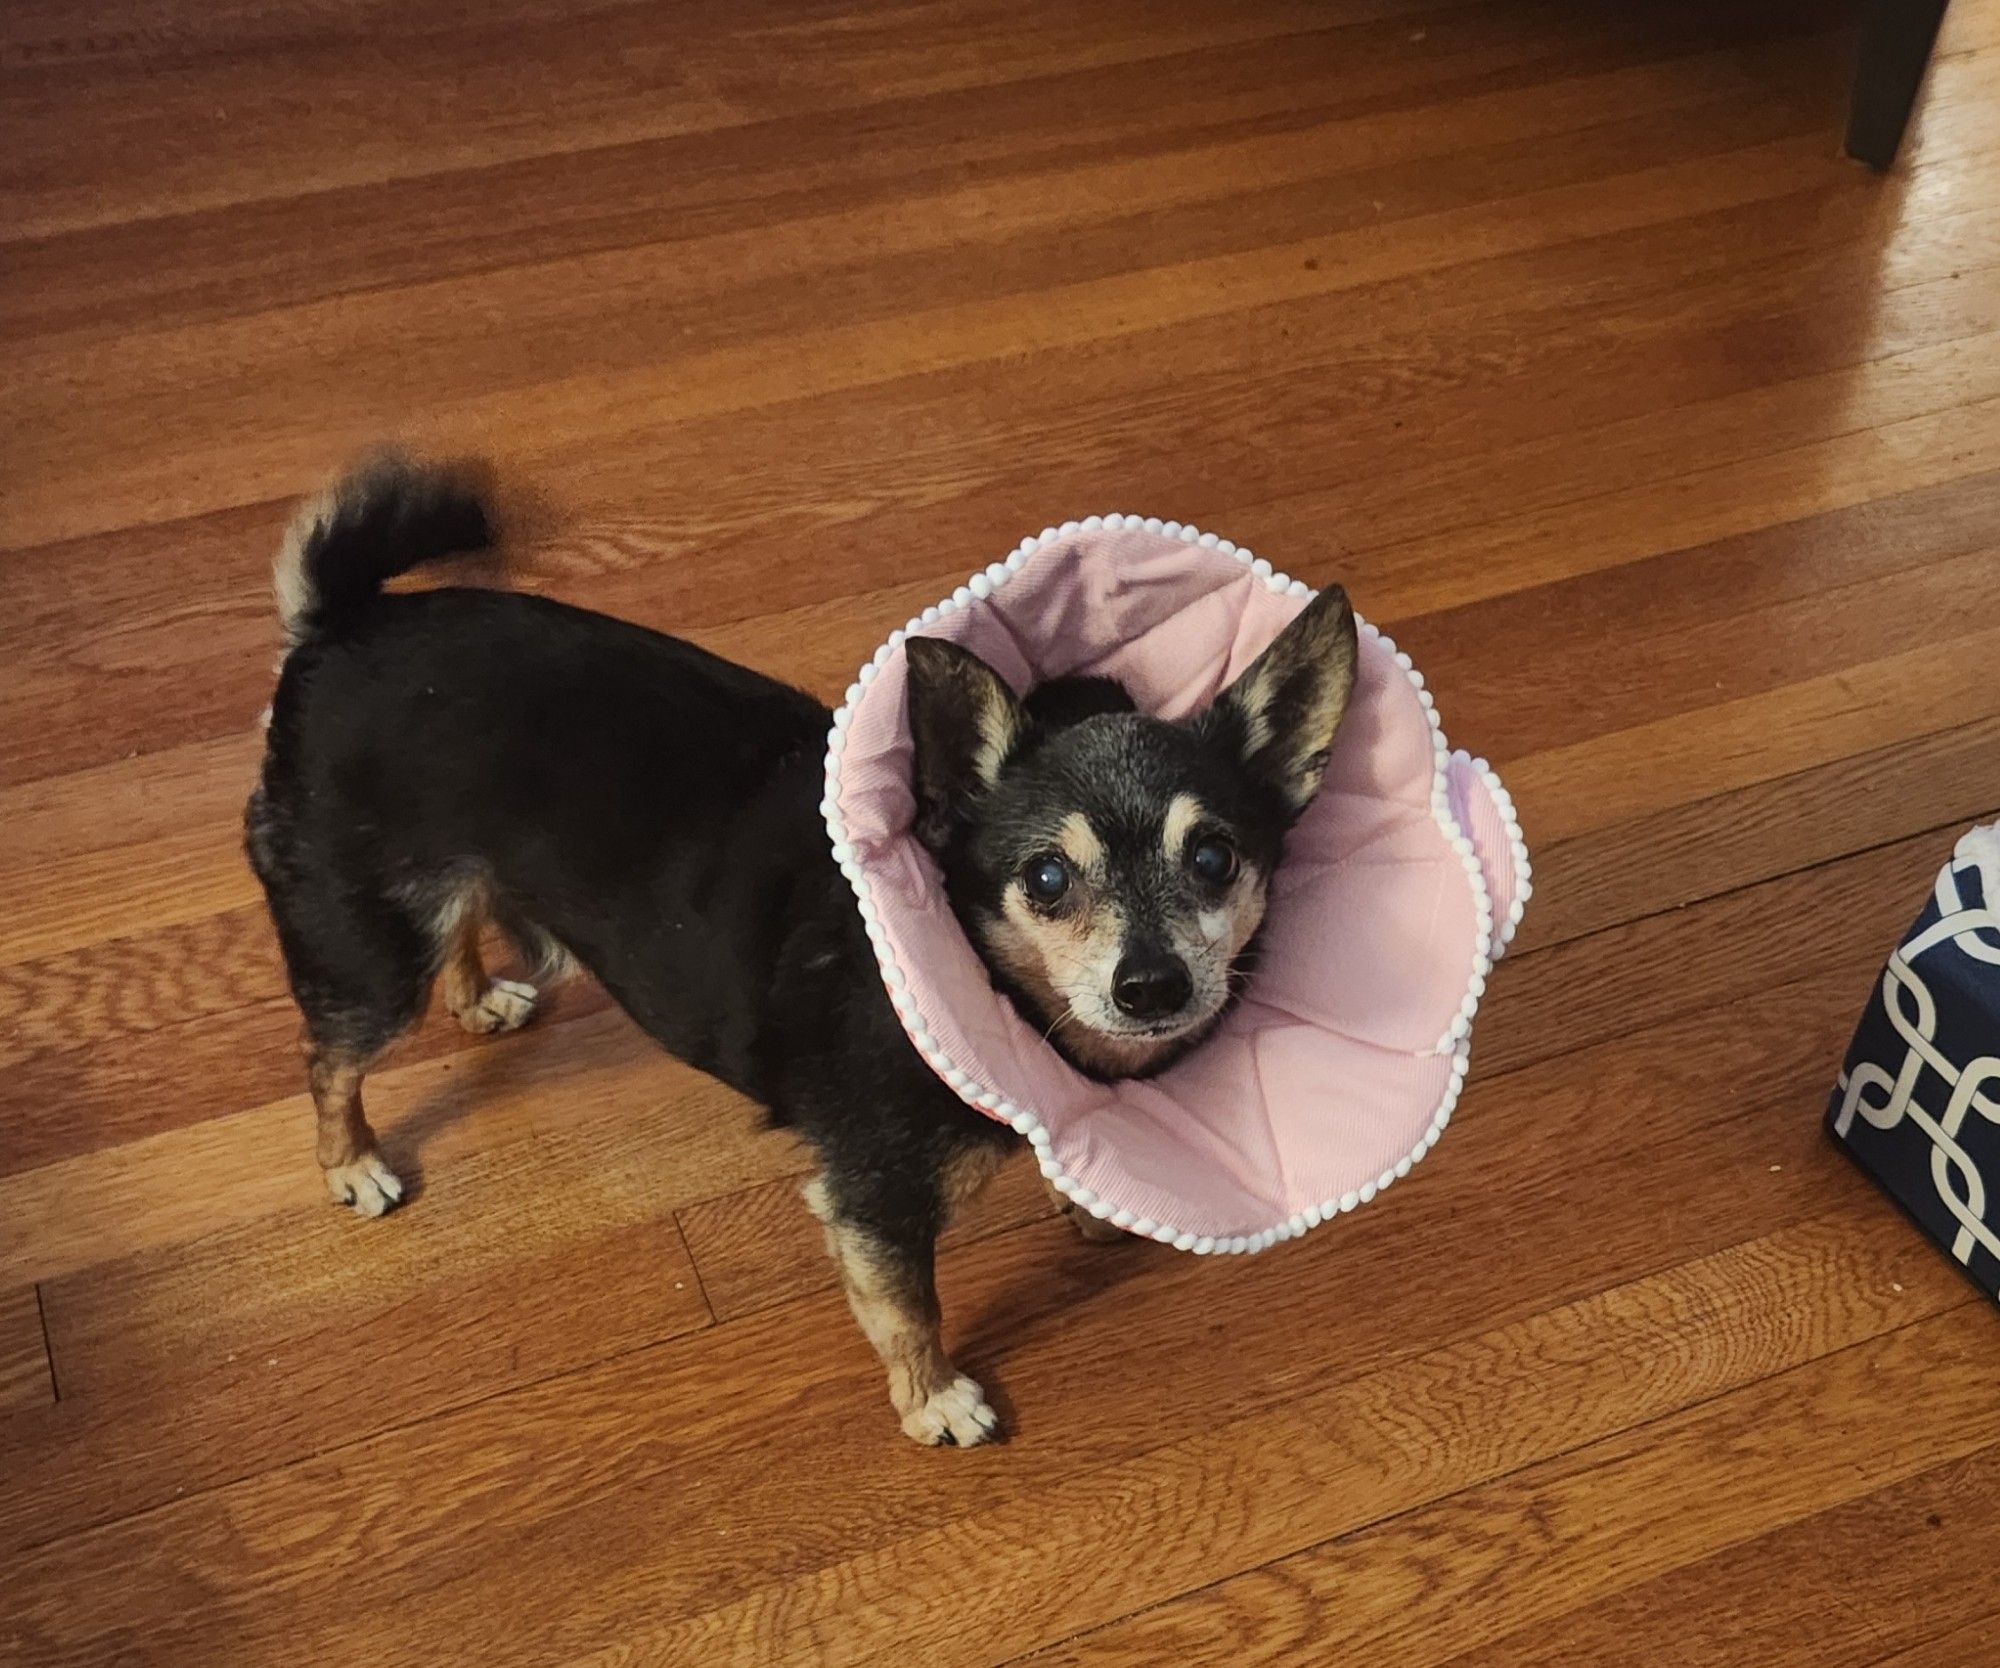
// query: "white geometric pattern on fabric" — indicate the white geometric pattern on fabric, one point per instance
point(1965, 929)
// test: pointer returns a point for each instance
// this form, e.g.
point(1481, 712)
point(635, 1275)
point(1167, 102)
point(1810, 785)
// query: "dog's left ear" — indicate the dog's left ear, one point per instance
point(1280, 715)
point(964, 721)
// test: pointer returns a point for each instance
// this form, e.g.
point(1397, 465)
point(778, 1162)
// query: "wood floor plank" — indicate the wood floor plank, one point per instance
point(1850, 913)
point(1709, 639)
point(25, 1378)
point(1765, 1600)
point(1517, 1552)
point(1587, 785)
point(1950, 305)
point(1710, 846)
point(114, 697)
point(101, 1088)
point(1948, 1650)
point(1300, 1442)
point(598, 1259)
point(620, 82)
point(1730, 498)
point(835, 360)
point(657, 1125)
point(1339, 1456)
point(971, 174)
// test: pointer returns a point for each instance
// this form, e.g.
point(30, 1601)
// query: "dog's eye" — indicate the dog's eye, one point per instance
point(1045, 879)
point(1214, 861)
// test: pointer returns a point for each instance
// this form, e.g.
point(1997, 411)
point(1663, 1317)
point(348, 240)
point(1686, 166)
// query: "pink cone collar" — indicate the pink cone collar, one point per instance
point(1401, 885)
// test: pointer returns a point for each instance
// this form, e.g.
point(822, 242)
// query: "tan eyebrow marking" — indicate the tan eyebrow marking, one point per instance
point(1080, 844)
point(1184, 815)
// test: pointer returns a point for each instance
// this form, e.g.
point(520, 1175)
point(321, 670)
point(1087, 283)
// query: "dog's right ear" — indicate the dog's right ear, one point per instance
point(964, 722)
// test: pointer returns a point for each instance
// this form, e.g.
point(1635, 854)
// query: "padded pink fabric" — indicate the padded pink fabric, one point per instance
point(1400, 885)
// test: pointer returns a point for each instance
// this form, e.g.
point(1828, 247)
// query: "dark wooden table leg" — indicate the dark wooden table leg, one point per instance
point(1896, 45)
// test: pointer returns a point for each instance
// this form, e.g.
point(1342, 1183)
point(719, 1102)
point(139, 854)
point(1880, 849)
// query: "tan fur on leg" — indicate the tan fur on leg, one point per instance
point(897, 1308)
point(480, 1004)
point(355, 1173)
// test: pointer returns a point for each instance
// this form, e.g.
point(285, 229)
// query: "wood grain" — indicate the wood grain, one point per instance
point(25, 1378)
point(1760, 1598)
point(1667, 442)
point(1708, 846)
point(1562, 1531)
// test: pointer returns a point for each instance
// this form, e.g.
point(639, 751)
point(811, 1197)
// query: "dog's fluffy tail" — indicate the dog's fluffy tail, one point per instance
point(382, 519)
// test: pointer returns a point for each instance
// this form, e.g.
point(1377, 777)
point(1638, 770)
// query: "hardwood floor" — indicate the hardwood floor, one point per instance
point(1666, 440)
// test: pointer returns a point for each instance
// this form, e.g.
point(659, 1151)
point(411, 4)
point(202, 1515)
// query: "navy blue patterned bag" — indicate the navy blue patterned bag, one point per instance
point(1918, 1105)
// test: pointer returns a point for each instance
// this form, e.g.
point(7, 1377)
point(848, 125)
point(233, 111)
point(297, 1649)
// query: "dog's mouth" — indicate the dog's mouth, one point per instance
point(1129, 1050)
point(1164, 1031)
point(1100, 1018)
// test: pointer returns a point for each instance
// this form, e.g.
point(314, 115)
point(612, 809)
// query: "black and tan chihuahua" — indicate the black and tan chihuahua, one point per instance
point(610, 797)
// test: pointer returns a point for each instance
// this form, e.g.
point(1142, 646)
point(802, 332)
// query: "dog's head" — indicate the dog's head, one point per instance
point(1112, 868)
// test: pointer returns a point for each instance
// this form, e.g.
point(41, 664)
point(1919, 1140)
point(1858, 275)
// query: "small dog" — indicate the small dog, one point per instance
point(608, 796)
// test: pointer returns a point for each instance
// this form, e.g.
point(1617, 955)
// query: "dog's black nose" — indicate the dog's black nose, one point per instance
point(1150, 984)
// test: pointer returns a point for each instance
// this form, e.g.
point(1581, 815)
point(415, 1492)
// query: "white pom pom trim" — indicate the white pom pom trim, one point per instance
point(1491, 945)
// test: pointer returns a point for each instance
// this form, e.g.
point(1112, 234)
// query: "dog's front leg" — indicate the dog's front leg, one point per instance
point(887, 1260)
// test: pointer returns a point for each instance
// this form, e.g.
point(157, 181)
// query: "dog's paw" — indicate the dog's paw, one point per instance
point(367, 1184)
point(956, 1416)
point(507, 1005)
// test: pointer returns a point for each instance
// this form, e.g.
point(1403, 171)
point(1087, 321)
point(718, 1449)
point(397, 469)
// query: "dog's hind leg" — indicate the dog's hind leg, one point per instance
point(360, 966)
point(886, 1257)
point(479, 1002)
